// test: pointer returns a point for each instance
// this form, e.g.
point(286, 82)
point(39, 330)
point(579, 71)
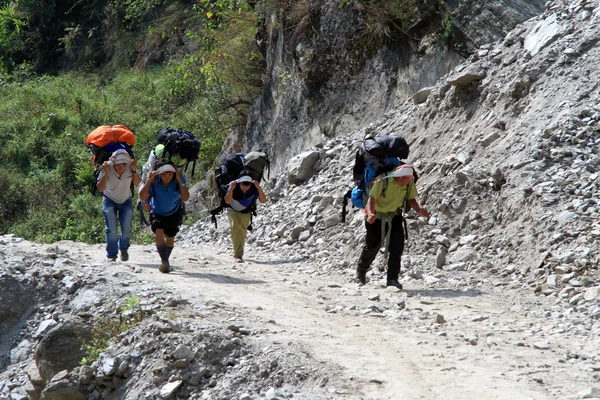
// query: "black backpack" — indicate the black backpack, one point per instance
point(228, 171)
point(181, 143)
point(233, 164)
point(374, 157)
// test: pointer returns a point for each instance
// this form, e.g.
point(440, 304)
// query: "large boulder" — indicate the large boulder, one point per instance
point(60, 349)
point(62, 390)
point(302, 166)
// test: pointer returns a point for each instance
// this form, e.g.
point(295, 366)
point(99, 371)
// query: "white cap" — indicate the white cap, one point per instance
point(403, 170)
point(166, 168)
point(245, 178)
point(120, 157)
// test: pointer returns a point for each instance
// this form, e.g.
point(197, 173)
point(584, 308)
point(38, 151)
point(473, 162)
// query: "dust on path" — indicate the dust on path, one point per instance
point(483, 350)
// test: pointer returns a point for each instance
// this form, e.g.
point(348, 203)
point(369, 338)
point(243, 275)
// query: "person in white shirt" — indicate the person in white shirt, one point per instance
point(114, 181)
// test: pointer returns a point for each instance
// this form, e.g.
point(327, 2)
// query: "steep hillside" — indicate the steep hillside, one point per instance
point(506, 143)
point(346, 63)
point(507, 147)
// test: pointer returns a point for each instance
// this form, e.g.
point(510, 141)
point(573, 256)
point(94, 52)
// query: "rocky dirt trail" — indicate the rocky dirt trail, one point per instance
point(473, 342)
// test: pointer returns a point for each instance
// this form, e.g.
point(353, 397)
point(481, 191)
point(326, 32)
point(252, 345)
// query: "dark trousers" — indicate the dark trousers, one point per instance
point(373, 244)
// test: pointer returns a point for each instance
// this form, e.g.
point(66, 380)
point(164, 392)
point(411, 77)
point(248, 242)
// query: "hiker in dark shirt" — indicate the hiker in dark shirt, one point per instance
point(166, 189)
point(384, 221)
point(241, 196)
point(114, 182)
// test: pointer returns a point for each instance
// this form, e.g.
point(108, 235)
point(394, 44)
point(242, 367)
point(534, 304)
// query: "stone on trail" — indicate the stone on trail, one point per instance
point(541, 345)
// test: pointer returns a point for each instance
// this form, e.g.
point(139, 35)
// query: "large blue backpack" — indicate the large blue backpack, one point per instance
point(375, 156)
point(360, 192)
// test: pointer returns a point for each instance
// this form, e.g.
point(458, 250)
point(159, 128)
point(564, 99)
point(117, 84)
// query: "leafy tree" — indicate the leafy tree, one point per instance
point(10, 30)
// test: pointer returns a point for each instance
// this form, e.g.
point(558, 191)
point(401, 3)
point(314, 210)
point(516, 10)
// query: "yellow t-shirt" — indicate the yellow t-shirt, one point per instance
point(394, 195)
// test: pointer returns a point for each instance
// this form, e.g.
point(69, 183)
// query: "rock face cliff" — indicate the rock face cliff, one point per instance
point(335, 66)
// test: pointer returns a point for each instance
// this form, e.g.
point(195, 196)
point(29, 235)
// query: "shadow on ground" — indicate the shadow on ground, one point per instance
point(218, 278)
point(275, 262)
point(442, 293)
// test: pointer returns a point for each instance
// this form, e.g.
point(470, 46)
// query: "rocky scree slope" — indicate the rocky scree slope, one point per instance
point(508, 150)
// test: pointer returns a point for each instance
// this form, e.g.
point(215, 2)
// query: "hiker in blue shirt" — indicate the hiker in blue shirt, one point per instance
point(114, 182)
point(166, 197)
point(241, 196)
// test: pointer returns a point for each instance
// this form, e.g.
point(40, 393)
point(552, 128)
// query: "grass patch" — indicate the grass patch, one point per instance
point(104, 330)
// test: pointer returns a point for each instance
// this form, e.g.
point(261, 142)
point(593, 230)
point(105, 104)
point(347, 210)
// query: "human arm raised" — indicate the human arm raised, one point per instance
point(229, 196)
point(184, 194)
point(261, 195)
point(101, 184)
point(136, 176)
point(144, 194)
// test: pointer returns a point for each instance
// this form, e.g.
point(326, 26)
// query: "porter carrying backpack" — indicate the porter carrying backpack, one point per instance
point(177, 145)
point(256, 162)
point(375, 156)
point(105, 140)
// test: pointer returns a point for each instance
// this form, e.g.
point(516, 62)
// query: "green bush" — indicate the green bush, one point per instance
point(46, 175)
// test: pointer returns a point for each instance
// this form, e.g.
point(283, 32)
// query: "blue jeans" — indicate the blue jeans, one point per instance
point(114, 241)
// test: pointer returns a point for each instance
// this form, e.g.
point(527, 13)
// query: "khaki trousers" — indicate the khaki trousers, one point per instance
point(239, 229)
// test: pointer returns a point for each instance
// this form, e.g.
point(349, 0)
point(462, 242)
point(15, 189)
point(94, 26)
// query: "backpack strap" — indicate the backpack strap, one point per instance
point(347, 196)
point(250, 227)
point(405, 231)
point(141, 207)
point(385, 186)
point(268, 168)
point(252, 212)
point(217, 210)
point(386, 219)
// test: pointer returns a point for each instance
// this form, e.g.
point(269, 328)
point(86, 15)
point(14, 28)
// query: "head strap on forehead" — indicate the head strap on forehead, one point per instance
point(245, 178)
point(120, 157)
point(165, 168)
point(403, 170)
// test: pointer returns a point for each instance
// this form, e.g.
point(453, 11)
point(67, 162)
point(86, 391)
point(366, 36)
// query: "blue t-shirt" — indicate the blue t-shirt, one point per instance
point(165, 200)
point(241, 201)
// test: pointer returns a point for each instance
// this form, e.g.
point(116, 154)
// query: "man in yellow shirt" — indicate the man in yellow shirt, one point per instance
point(384, 221)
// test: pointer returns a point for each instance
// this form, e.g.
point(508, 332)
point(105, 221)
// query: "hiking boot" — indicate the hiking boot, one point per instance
point(395, 283)
point(361, 275)
point(124, 255)
point(239, 260)
point(165, 268)
point(112, 259)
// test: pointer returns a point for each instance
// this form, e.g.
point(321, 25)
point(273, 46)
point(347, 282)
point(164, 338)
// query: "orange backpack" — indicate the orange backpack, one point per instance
point(105, 134)
point(105, 140)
